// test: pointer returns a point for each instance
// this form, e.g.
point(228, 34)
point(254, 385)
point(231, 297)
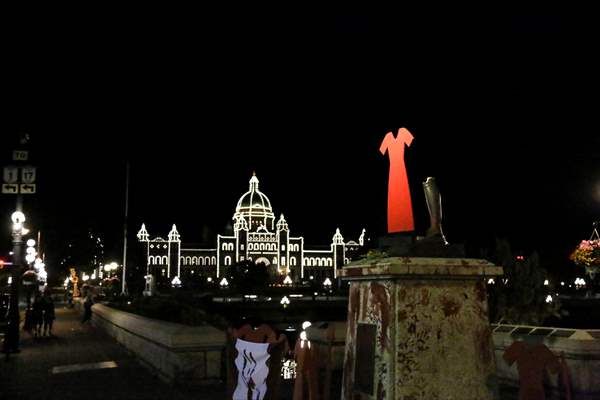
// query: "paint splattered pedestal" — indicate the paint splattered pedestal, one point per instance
point(418, 329)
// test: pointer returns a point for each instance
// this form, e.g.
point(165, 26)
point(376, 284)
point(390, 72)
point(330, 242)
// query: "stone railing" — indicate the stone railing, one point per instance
point(581, 350)
point(178, 353)
point(579, 347)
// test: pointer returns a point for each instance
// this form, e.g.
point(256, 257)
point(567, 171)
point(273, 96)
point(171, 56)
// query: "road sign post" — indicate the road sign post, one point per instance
point(18, 179)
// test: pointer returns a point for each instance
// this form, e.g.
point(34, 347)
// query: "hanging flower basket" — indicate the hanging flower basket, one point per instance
point(587, 255)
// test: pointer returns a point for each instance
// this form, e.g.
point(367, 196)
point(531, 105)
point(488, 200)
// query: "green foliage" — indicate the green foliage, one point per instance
point(373, 254)
point(247, 276)
point(519, 297)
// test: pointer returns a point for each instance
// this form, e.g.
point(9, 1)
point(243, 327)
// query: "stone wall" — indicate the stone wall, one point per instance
point(178, 353)
point(581, 350)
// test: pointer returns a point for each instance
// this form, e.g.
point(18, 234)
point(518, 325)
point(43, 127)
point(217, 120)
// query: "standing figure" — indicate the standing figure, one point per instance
point(49, 314)
point(38, 314)
point(87, 308)
point(399, 216)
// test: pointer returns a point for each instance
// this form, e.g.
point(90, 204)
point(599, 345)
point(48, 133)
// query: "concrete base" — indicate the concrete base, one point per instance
point(418, 329)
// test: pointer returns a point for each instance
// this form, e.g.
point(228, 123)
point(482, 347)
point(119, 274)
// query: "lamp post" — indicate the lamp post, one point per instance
point(327, 286)
point(11, 341)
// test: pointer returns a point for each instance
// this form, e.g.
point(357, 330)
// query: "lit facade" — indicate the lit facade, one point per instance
point(256, 237)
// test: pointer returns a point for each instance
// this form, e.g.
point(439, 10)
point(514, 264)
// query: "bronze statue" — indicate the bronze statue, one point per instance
point(434, 205)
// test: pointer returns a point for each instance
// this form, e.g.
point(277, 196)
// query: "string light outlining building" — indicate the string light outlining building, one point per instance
point(256, 237)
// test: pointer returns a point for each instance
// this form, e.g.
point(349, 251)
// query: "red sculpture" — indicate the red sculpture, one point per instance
point(400, 216)
point(532, 361)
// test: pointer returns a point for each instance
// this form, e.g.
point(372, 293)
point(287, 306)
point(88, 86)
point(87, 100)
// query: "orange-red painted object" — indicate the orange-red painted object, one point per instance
point(400, 215)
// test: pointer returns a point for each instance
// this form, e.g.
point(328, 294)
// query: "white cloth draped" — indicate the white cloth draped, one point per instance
point(251, 363)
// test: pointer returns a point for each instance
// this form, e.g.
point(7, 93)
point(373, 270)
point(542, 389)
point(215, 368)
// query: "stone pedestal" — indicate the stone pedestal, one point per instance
point(418, 329)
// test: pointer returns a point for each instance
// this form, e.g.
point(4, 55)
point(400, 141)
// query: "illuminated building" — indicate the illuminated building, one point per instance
point(256, 237)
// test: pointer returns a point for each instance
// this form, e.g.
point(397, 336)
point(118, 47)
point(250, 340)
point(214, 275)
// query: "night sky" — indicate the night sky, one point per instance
point(502, 108)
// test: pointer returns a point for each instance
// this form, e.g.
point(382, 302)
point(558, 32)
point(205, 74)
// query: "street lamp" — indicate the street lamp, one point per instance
point(327, 286)
point(224, 283)
point(11, 341)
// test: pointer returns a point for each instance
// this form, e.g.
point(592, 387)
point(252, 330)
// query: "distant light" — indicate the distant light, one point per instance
point(287, 280)
point(562, 284)
point(209, 279)
point(17, 217)
point(176, 282)
point(224, 282)
point(548, 299)
point(284, 301)
point(491, 281)
point(10, 280)
point(327, 282)
point(303, 336)
point(546, 283)
point(30, 242)
point(306, 324)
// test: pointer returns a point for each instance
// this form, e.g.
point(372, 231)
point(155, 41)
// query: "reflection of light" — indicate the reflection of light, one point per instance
point(224, 282)
point(10, 280)
point(284, 301)
point(176, 281)
point(548, 299)
point(491, 281)
point(287, 280)
point(327, 282)
point(546, 282)
point(30, 242)
point(306, 324)
point(209, 279)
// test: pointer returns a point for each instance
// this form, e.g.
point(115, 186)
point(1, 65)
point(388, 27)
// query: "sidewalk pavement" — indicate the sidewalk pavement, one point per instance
point(80, 362)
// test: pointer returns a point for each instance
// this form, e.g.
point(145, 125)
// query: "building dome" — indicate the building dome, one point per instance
point(255, 208)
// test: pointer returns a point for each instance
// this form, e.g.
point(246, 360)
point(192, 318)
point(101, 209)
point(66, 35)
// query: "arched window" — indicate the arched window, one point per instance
point(151, 260)
point(292, 261)
point(307, 261)
point(227, 260)
point(330, 262)
point(274, 260)
point(213, 260)
point(261, 246)
point(230, 247)
point(165, 260)
point(224, 246)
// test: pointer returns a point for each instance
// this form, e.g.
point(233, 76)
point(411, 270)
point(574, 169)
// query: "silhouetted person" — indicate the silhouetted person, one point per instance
point(37, 311)
point(48, 313)
point(87, 308)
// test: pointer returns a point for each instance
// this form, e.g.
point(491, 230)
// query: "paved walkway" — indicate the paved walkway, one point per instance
point(80, 362)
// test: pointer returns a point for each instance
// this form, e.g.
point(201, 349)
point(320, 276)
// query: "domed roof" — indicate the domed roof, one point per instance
point(255, 207)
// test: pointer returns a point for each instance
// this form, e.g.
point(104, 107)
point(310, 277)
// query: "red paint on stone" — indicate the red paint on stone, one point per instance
point(382, 306)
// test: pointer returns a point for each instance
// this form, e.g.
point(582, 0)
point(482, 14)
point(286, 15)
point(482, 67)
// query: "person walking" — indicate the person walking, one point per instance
point(49, 314)
point(37, 311)
point(87, 308)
